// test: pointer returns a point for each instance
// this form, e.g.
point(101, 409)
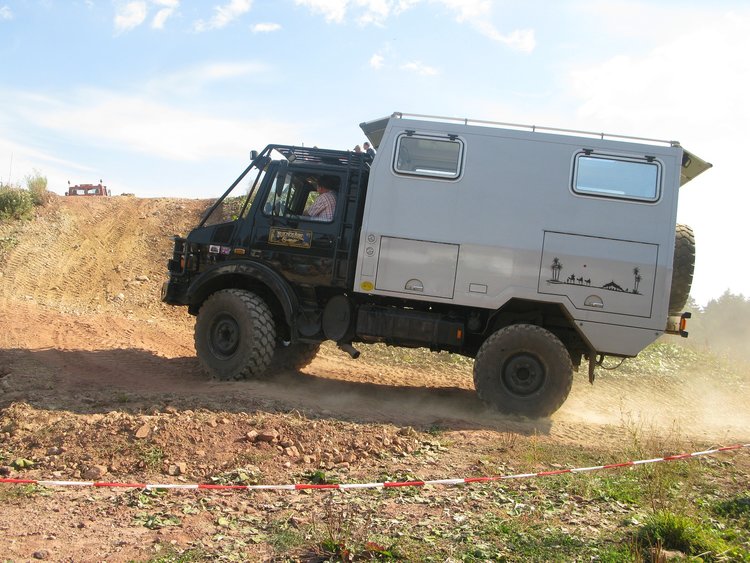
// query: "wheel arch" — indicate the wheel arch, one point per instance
point(554, 317)
point(258, 278)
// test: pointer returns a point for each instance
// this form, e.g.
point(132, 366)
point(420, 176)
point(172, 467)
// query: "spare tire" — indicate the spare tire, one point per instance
point(682, 268)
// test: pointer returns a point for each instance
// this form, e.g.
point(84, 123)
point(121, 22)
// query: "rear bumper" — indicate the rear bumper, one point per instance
point(677, 325)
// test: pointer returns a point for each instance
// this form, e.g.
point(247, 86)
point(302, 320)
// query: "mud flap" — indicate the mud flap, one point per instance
point(592, 365)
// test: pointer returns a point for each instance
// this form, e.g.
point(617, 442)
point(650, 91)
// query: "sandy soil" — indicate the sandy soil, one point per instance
point(82, 331)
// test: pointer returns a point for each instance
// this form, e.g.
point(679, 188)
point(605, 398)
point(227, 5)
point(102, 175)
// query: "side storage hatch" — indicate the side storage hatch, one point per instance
point(417, 267)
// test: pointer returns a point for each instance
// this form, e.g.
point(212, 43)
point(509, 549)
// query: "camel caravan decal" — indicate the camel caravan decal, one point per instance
point(574, 279)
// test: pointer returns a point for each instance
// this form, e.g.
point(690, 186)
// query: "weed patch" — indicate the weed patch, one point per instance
point(667, 530)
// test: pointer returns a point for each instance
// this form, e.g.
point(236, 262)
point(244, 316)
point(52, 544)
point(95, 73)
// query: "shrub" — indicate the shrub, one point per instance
point(15, 203)
point(37, 186)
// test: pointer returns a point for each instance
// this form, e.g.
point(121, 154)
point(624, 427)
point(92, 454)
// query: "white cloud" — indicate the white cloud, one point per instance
point(477, 13)
point(168, 7)
point(129, 16)
point(419, 68)
point(26, 157)
point(224, 15)
point(373, 11)
point(149, 127)
point(522, 40)
point(377, 61)
point(265, 27)
point(376, 11)
point(692, 87)
point(468, 10)
point(190, 79)
point(6, 13)
point(332, 10)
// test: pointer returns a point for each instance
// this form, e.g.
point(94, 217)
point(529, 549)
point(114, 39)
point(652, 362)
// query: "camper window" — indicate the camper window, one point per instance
point(617, 177)
point(428, 156)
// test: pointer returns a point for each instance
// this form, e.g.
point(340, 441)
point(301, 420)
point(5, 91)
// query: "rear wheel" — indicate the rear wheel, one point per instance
point(235, 335)
point(523, 369)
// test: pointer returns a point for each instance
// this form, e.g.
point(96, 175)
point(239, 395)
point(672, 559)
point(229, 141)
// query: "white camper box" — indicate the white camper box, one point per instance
point(477, 215)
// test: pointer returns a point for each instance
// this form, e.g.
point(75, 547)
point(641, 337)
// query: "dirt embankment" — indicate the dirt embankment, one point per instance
point(80, 318)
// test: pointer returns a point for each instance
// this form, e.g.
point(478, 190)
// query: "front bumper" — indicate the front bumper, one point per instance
point(173, 292)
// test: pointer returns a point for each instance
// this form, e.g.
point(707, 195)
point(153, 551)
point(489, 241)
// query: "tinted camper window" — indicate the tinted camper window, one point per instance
point(617, 177)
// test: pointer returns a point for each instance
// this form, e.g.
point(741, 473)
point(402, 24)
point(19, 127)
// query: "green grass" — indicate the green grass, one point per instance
point(170, 554)
point(152, 457)
point(737, 507)
point(16, 492)
point(283, 536)
point(678, 532)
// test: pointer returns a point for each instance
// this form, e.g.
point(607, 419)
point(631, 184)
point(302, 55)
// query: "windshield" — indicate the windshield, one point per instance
point(237, 202)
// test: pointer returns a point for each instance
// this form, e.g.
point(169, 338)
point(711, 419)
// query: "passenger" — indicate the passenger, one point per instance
point(324, 206)
point(368, 149)
point(357, 148)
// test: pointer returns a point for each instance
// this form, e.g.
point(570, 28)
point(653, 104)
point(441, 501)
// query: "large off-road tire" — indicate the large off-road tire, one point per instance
point(235, 335)
point(523, 369)
point(295, 356)
point(682, 269)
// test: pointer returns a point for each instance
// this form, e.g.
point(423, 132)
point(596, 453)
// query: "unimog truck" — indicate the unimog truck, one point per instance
point(528, 249)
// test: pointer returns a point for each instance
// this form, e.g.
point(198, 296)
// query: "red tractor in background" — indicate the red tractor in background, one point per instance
point(88, 189)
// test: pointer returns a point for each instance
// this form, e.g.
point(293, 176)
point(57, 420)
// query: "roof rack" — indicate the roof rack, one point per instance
point(311, 155)
point(533, 128)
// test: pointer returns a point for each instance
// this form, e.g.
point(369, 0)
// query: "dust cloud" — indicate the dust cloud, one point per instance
point(700, 398)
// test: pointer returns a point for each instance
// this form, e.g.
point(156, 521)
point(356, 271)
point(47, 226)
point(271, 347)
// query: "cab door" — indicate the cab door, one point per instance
point(300, 247)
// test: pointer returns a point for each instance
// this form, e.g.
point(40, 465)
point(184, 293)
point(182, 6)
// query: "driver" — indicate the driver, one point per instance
point(324, 205)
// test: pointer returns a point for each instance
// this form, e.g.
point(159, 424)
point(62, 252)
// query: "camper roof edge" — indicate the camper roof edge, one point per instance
point(533, 128)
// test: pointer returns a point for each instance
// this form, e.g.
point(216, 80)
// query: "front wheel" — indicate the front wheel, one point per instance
point(234, 335)
point(523, 369)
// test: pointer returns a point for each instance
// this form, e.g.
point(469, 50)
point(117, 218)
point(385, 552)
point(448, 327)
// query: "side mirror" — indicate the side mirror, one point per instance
point(253, 155)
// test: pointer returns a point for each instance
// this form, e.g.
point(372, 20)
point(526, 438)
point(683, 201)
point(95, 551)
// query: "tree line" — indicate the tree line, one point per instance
point(722, 325)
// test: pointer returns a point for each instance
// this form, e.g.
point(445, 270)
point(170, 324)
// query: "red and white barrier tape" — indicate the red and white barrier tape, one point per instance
point(384, 485)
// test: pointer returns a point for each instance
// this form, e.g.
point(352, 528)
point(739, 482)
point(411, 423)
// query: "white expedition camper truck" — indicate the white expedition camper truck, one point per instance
point(526, 248)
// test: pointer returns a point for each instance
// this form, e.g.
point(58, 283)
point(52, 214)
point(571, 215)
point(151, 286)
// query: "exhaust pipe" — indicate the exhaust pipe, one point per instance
point(349, 349)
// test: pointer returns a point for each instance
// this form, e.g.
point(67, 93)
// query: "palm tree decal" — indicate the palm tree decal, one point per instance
point(637, 278)
point(556, 267)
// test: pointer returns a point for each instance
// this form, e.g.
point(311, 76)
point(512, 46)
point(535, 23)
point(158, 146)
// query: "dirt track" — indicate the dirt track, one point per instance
point(96, 375)
point(81, 323)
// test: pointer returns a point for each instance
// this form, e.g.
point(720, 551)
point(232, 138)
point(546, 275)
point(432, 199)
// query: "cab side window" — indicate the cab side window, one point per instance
point(303, 197)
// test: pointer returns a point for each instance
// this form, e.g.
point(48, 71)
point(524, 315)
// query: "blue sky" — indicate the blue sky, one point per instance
point(167, 97)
